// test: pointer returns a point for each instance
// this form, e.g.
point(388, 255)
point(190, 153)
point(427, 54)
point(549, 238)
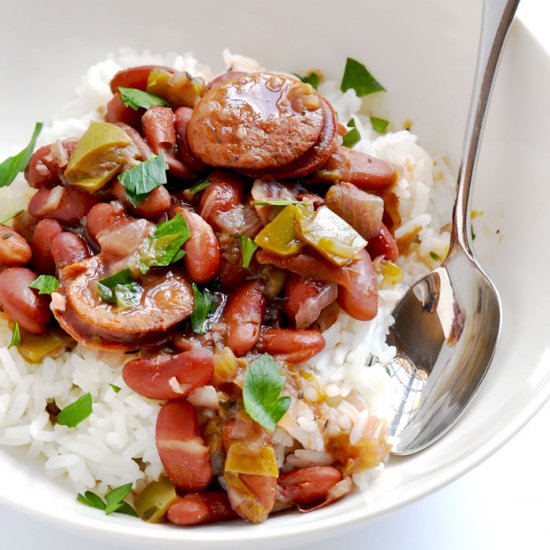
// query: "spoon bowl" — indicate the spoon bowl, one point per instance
point(446, 330)
point(447, 324)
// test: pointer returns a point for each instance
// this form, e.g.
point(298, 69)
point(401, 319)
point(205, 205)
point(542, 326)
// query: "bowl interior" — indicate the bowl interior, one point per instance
point(424, 54)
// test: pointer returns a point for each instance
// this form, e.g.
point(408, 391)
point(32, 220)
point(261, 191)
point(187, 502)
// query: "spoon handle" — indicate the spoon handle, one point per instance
point(497, 17)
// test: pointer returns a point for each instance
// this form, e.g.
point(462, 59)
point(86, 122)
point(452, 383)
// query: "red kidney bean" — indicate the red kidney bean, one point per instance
point(14, 249)
point(143, 147)
point(22, 304)
point(72, 207)
point(243, 316)
point(159, 129)
point(100, 217)
point(202, 258)
point(201, 508)
point(307, 485)
point(181, 448)
point(359, 297)
point(118, 112)
point(42, 259)
point(152, 207)
point(164, 377)
point(226, 190)
point(68, 249)
point(383, 245)
point(134, 77)
point(44, 169)
point(183, 116)
point(294, 346)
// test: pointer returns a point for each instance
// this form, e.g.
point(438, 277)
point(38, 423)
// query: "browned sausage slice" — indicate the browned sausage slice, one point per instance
point(256, 121)
point(167, 299)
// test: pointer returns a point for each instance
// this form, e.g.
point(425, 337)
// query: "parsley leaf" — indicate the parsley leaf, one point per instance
point(164, 246)
point(143, 178)
point(281, 202)
point(379, 125)
point(116, 389)
point(114, 500)
point(263, 383)
point(434, 256)
point(357, 77)
point(138, 99)
point(15, 336)
point(13, 165)
point(9, 217)
point(248, 247)
point(353, 137)
point(91, 499)
point(120, 289)
point(203, 309)
point(72, 415)
point(198, 187)
point(45, 284)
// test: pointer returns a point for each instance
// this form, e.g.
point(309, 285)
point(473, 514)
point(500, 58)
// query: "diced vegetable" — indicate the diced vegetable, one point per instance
point(279, 236)
point(179, 88)
point(35, 348)
point(362, 210)
point(244, 457)
point(330, 235)
point(225, 366)
point(153, 502)
point(392, 273)
point(101, 153)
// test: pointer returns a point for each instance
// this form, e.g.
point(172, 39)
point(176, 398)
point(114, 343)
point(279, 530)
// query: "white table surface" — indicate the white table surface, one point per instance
point(502, 504)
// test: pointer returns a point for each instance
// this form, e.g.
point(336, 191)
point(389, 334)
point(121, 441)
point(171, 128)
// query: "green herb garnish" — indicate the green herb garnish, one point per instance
point(72, 415)
point(248, 247)
point(143, 178)
point(275, 203)
point(435, 257)
point(353, 137)
point(45, 284)
point(198, 187)
point(15, 335)
point(9, 217)
point(202, 311)
point(263, 383)
point(312, 77)
point(120, 289)
point(472, 233)
point(116, 389)
point(138, 99)
point(357, 77)
point(164, 246)
point(13, 165)
point(114, 500)
point(379, 125)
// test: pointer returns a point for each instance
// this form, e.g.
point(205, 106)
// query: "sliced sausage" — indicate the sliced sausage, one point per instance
point(167, 299)
point(255, 121)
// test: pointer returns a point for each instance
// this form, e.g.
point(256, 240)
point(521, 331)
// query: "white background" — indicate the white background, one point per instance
point(502, 504)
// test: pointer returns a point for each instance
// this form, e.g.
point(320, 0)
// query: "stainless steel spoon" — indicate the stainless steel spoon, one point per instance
point(447, 324)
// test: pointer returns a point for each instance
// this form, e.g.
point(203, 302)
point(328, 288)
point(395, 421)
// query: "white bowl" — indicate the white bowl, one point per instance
point(424, 53)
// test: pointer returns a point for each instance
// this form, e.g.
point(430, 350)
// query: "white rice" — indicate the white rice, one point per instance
point(108, 448)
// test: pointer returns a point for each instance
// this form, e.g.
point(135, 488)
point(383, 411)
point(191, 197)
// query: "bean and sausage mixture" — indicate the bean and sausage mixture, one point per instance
point(214, 231)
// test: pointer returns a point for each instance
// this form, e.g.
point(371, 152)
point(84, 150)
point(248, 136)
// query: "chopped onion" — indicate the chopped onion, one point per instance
point(59, 153)
point(124, 238)
point(53, 200)
point(240, 220)
point(311, 308)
